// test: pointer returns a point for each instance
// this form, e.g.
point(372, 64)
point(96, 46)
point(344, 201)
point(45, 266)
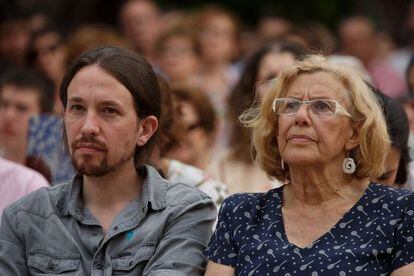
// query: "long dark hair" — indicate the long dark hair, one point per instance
point(399, 130)
point(135, 73)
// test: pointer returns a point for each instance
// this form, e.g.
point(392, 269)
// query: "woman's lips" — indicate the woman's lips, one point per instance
point(300, 138)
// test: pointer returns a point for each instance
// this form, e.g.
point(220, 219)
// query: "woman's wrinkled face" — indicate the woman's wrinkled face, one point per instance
point(305, 138)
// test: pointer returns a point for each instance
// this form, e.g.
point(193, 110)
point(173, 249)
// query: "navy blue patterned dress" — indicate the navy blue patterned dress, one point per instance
point(374, 237)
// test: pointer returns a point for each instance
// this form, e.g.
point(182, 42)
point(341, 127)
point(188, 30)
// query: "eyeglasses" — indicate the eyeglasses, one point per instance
point(318, 107)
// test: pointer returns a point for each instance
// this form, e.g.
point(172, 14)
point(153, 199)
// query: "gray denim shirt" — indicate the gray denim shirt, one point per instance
point(163, 232)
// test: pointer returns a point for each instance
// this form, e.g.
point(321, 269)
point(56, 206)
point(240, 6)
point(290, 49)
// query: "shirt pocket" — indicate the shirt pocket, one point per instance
point(41, 262)
point(133, 263)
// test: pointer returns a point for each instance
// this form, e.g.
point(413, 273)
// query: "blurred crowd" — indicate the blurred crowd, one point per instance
point(213, 69)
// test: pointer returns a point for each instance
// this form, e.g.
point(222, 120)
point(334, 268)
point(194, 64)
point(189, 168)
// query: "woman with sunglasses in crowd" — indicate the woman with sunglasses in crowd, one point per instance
point(321, 131)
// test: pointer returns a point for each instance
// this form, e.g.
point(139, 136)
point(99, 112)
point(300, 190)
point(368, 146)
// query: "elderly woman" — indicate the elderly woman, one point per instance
point(321, 131)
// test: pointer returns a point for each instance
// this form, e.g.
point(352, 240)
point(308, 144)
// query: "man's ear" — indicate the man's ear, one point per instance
point(353, 137)
point(146, 129)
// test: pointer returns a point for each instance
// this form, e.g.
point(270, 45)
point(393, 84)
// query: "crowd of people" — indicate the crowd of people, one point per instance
point(177, 138)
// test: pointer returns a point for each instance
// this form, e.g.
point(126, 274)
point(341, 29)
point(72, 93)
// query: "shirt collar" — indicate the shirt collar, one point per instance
point(154, 193)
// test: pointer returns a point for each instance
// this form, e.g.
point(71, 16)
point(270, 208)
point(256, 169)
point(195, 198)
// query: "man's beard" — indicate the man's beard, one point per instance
point(85, 167)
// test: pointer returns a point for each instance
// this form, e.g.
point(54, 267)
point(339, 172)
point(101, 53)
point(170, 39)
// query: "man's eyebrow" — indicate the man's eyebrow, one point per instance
point(110, 103)
point(75, 99)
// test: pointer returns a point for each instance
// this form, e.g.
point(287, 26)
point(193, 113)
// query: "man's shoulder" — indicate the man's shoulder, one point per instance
point(180, 193)
point(41, 202)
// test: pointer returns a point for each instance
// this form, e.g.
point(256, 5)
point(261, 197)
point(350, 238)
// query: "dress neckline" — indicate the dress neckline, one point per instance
point(341, 223)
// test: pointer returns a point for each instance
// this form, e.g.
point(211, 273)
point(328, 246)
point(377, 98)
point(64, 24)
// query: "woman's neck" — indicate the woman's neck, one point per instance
point(316, 185)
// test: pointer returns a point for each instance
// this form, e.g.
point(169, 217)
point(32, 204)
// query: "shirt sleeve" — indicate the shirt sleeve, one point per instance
point(222, 247)
point(180, 251)
point(12, 249)
point(404, 235)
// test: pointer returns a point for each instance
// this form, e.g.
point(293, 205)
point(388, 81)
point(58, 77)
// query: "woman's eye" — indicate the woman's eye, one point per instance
point(291, 106)
point(321, 105)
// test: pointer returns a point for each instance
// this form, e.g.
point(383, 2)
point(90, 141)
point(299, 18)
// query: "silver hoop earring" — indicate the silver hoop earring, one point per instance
point(348, 165)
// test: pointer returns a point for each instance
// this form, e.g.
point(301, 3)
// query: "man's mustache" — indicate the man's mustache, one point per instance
point(89, 141)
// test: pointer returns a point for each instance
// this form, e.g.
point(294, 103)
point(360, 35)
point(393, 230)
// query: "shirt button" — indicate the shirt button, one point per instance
point(116, 228)
point(131, 263)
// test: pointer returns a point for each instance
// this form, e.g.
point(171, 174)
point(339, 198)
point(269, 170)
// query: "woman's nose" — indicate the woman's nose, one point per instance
point(302, 115)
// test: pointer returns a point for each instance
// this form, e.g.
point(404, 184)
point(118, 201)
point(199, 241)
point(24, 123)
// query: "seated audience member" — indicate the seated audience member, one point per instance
point(14, 34)
point(47, 52)
point(178, 57)
point(23, 94)
point(17, 181)
point(118, 215)
point(409, 109)
point(217, 32)
point(396, 163)
point(142, 25)
point(358, 37)
point(235, 167)
point(172, 131)
point(321, 131)
point(200, 127)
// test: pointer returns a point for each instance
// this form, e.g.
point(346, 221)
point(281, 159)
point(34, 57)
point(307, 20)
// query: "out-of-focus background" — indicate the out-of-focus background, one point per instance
point(219, 57)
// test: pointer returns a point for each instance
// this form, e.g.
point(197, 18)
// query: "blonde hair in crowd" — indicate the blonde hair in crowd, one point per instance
point(374, 141)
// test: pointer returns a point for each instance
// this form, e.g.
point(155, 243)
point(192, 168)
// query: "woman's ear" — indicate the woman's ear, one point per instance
point(146, 129)
point(353, 137)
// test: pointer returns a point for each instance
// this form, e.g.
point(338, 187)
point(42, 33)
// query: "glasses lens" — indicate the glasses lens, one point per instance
point(287, 106)
point(323, 107)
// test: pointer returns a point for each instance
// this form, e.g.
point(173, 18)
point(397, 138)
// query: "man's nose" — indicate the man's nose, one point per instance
point(90, 125)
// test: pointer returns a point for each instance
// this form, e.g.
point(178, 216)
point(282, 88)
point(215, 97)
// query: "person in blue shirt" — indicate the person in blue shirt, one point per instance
point(321, 131)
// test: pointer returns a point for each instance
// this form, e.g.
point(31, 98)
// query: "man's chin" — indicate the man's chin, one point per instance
point(92, 170)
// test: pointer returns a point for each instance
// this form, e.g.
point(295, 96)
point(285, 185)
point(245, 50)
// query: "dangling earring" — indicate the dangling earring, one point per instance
point(348, 165)
point(283, 164)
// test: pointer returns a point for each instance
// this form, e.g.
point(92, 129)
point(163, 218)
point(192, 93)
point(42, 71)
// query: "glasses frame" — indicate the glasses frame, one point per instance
point(339, 109)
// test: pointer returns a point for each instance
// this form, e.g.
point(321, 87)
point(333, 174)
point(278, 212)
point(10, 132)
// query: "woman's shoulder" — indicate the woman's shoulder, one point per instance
point(396, 198)
point(389, 192)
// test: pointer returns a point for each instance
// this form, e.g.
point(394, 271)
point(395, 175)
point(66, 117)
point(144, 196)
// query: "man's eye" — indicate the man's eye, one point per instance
point(110, 111)
point(76, 108)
